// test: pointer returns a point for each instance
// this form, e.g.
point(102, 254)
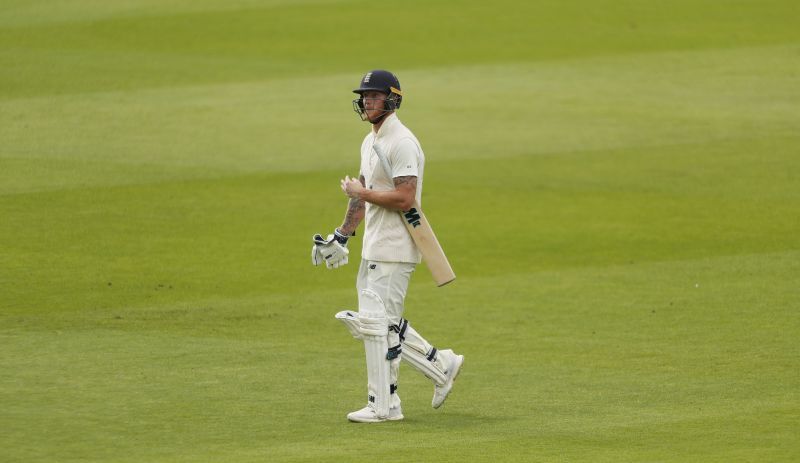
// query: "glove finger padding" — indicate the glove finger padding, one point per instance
point(316, 256)
point(316, 253)
point(340, 263)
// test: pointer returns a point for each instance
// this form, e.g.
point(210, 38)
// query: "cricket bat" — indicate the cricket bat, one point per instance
point(422, 234)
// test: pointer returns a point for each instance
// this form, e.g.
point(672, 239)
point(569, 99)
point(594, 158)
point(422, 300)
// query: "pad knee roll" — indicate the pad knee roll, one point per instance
point(372, 314)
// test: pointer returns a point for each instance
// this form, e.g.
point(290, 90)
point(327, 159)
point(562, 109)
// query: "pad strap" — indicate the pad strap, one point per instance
point(394, 352)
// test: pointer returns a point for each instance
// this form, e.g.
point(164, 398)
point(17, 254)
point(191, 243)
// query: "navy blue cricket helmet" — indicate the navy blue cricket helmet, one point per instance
point(379, 81)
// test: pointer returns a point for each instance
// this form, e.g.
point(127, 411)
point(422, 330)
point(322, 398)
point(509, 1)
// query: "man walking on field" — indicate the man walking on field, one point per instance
point(389, 254)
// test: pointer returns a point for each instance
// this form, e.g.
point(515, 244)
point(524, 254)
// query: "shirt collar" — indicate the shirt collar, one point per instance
point(387, 125)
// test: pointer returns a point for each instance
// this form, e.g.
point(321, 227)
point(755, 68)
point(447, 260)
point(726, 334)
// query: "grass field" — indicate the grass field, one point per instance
point(616, 182)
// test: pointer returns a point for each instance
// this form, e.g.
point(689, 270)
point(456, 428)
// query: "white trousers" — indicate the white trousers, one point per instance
point(389, 280)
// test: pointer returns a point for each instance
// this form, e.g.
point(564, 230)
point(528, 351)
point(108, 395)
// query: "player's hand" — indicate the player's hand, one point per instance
point(352, 187)
point(333, 250)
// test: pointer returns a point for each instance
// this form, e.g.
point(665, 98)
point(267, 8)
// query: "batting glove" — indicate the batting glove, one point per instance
point(333, 250)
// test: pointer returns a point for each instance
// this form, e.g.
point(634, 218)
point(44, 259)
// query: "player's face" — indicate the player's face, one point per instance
point(374, 104)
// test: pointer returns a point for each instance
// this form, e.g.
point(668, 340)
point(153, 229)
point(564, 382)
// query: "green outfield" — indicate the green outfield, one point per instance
point(616, 183)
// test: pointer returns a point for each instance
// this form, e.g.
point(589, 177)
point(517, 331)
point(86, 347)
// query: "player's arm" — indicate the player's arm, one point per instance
point(333, 249)
point(401, 198)
point(355, 213)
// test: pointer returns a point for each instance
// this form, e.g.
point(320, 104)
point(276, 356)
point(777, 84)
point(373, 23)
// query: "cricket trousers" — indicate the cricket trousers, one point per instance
point(389, 280)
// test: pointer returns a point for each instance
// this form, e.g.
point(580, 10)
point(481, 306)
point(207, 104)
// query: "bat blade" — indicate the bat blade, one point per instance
point(425, 239)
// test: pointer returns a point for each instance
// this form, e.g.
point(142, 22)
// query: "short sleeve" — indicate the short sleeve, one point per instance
point(405, 162)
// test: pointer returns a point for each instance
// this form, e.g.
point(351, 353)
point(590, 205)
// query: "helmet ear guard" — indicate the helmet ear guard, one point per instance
point(393, 99)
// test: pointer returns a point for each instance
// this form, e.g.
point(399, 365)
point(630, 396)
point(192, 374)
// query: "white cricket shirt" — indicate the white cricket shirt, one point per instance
point(386, 238)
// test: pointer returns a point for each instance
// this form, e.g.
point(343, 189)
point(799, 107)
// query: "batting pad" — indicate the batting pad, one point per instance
point(374, 329)
point(421, 355)
point(415, 349)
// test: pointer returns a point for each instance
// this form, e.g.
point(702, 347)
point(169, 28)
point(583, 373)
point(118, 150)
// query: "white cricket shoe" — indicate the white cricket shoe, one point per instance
point(368, 415)
point(440, 393)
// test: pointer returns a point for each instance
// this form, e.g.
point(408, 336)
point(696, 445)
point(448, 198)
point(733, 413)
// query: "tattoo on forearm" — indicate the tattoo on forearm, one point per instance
point(354, 216)
point(356, 209)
